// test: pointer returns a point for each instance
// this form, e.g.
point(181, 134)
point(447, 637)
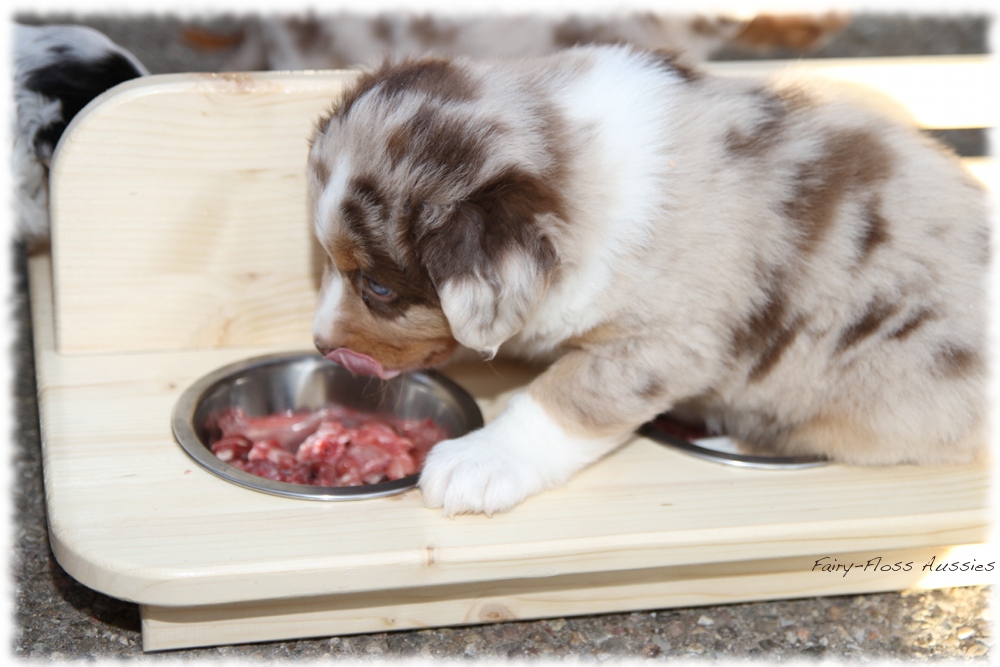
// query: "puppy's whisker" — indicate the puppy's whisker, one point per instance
point(373, 388)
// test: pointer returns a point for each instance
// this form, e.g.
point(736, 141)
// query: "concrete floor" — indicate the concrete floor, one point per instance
point(55, 617)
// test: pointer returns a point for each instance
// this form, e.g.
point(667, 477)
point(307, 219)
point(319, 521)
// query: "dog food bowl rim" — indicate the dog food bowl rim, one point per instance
point(182, 420)
point(738, 460)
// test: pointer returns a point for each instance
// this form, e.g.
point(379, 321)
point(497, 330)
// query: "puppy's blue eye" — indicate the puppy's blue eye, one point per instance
point(378, 290)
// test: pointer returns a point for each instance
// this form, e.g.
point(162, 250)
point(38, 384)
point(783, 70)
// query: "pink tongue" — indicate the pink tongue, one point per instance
point(360, 364)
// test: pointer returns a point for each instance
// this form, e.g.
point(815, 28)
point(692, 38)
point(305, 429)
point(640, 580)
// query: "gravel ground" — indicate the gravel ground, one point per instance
point(57, 618)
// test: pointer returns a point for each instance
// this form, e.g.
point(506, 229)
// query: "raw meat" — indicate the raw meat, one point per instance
point(332, 446)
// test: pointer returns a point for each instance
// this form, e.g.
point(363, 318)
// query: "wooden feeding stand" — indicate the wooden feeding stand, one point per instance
point(181, 244)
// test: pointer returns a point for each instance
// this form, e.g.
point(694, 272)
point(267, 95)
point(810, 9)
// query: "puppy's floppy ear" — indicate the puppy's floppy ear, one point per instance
point(488, 258)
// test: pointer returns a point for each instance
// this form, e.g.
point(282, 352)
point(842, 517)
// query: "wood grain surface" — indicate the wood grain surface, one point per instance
point(181, 245)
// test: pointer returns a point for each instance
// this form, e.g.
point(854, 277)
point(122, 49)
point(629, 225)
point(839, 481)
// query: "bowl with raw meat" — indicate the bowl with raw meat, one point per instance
point(300, 426)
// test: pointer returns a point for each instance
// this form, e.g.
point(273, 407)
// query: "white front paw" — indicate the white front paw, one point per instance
point(520, 453)
point(477, 474)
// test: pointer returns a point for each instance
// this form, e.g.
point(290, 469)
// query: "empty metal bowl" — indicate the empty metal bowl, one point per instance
point(305, 381)
point(722, 450)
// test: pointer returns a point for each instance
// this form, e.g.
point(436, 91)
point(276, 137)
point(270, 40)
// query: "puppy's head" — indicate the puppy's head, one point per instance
point(435, 204)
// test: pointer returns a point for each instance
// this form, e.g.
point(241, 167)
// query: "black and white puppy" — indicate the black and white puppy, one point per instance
point(792, 262)
point(58, 70)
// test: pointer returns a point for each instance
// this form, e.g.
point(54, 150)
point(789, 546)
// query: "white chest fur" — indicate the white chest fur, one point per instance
point(619, 113)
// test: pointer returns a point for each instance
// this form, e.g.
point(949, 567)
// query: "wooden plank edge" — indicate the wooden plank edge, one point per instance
point(984, 169)
point(161, 587)
point(232, 83)
point(165, 628)
point(938, 91)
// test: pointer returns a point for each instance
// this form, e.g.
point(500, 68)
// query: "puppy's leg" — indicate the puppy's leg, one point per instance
point(580, 409)
point(520, 453)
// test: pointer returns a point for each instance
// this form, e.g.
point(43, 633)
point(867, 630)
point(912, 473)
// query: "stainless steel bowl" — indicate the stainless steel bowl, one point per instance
point(650, 430)
point(301, 381)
